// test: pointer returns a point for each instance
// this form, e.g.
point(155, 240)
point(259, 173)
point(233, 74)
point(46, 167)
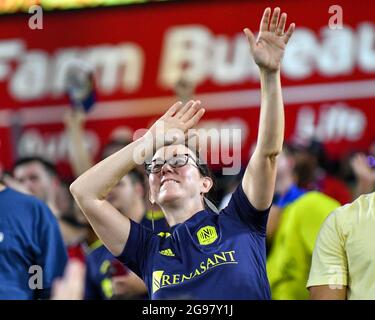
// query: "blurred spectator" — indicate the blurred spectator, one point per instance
point(357, 168)
point(311, 170)
point(39, 177)
point(32, 251)
point(289, 261)
point(343, 262)
point(64, 201)
point(364, 170)
point(286, 191)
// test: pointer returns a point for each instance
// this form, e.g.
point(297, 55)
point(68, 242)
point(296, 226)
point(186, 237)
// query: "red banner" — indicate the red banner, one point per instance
point(139, 53)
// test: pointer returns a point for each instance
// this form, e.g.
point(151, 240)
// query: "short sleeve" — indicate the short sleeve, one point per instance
point(329, 263)
point(240, 207)
point(137, 248)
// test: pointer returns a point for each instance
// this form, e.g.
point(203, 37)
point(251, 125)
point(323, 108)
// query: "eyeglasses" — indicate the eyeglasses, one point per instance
point(176, 161)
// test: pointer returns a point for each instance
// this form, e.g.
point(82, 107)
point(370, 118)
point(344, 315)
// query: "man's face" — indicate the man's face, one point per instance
point(36, 179)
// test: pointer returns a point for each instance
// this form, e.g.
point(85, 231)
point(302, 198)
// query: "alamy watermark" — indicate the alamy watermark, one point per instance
point(36, 20)
point(36, 278)
point(336, 21)
point(222, 145)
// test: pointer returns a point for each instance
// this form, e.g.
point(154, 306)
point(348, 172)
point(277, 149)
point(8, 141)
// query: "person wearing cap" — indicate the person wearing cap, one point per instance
point(206, 255)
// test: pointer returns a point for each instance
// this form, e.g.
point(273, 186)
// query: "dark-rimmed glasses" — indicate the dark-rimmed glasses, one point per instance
point(177, 161)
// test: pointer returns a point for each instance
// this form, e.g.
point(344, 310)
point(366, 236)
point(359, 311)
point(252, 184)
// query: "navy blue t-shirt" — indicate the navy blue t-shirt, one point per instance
point(29, 236)
point(209, 256)
point(98, 284)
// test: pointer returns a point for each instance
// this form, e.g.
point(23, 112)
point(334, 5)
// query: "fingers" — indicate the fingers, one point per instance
point(185, 108)
point(265, 20)
point(191, 111)
point(274, 19)
point(183, 117)
point(275, 25)
point(250, 38)
point(195, 119)
point(289, 33)
point(187, 112)
point(281, 26)
point(174, 109)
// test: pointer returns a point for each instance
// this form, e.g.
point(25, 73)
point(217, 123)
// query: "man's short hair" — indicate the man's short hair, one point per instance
point(47, 165)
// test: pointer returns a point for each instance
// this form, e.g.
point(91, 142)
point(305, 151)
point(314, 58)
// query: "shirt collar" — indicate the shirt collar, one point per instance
point(193, 220)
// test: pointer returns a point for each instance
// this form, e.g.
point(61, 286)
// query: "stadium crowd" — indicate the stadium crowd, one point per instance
point(318, 234)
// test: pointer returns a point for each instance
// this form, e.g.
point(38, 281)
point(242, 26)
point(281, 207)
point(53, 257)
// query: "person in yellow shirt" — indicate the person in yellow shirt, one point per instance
point(343, 264)
point(289, 261)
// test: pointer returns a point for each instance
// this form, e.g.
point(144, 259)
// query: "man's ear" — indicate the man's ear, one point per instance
point(207, 184)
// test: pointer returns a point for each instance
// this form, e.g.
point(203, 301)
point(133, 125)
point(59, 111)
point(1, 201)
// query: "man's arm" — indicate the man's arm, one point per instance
point(326, 293)
point(259, 179)
point(80, 158)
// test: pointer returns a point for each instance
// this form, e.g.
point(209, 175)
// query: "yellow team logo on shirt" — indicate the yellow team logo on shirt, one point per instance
point(207, 235)
point(156, 280)
point(162, 279)
point(167, 252)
